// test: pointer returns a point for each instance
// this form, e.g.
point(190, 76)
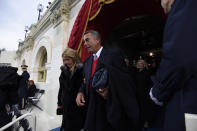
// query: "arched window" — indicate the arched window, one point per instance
point(42, 66)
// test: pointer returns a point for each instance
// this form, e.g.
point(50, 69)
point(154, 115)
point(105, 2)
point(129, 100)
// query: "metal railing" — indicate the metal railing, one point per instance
point(18, 119)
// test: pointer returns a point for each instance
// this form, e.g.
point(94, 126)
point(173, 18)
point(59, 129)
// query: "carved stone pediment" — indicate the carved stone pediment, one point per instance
point(64, 8)
point(27, 45)
point(60, 14)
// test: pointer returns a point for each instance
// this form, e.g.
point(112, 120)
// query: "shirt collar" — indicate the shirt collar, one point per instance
point(98, 52)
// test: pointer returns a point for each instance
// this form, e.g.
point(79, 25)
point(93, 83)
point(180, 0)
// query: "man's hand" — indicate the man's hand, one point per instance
point(59, 106)
point(155, 99)
point(166, 4)
point(80, 100)
point(59, 110)
point(103, 92)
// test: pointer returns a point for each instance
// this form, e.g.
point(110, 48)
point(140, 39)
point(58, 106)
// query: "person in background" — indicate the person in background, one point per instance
point(143, 84)
point(126, 61)
point(131, 69)
point(23, 87)
point(8, 93)
point(70, 80)
point(31, 89)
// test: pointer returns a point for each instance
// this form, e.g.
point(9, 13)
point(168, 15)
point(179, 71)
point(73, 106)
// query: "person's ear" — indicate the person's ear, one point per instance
point(98, 41)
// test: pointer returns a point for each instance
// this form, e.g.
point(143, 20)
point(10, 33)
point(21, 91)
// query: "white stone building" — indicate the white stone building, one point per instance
point(8, 58)
point(41, 51)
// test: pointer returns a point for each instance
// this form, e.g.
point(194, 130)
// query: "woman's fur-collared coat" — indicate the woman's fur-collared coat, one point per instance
point(70, 82)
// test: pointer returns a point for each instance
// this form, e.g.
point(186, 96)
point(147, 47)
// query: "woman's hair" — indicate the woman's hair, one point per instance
point(73, 55)
point(31, 81)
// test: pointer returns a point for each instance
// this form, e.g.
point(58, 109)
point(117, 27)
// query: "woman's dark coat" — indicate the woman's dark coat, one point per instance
point(73, 116)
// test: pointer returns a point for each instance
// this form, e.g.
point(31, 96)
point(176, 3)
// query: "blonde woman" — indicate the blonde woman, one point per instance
point(70, 81)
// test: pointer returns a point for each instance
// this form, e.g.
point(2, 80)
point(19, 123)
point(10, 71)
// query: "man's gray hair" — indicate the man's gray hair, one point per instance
point(94, 33)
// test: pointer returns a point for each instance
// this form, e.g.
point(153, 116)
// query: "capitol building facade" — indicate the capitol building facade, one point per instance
point(41, 51)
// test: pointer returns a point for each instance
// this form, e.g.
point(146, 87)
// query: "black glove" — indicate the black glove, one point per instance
point(59, 111)
point(65, 69)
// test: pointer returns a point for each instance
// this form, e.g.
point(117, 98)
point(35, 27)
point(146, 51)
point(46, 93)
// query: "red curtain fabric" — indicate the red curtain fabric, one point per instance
point(80, 26)
point(95, 8)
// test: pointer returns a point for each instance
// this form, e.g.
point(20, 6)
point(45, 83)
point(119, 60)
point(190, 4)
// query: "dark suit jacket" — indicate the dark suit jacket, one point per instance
point(111, 57)
point(118, 111)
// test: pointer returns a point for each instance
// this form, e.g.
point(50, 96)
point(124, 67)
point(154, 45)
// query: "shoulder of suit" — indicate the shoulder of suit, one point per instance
point(90, 57)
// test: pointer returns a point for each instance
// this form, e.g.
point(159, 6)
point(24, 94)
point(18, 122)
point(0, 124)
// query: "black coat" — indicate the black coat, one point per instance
point(23, 87)
point(5, 119)
point(143, 85)
point(8, 92)
point(176, 78)
point(8, 86)
point(121, 107)
point(73, 116)
point(32, 91)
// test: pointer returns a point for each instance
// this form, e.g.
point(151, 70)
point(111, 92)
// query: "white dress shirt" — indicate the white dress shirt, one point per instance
point(98, 53)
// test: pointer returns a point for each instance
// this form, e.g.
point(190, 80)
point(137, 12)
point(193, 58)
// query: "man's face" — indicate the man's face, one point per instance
point(91, 43)
point(140, 65)
point(166, 4)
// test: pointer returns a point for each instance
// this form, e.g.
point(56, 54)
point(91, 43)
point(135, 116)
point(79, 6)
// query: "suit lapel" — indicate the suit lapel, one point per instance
point(89, 67)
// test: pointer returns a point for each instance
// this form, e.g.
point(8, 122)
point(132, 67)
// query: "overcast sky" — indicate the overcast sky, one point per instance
point(14, 16)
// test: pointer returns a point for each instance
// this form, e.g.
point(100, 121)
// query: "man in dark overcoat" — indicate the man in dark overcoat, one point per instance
point(23, 87)
point(113, 108)
point(175, 84)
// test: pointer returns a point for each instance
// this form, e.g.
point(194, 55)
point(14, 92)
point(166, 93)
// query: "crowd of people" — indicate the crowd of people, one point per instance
point(104, 94)
point(108, 95)
point(115, 98)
